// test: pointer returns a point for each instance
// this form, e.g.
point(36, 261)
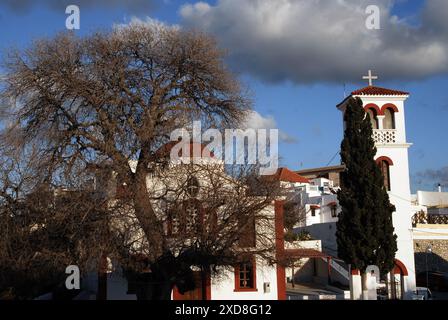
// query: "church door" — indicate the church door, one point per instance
point(195, 294)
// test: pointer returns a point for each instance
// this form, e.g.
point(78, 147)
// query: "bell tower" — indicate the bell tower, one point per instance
point(386, 109)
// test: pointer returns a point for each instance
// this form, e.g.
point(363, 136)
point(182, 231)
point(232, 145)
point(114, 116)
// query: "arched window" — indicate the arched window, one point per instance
point(192, 187)
point(373, 117)
point(389, 119)
point(385, 170)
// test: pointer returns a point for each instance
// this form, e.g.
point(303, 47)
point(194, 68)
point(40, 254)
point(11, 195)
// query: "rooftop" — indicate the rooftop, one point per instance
point(338, 168)
point(378, 91)
point(286, 175)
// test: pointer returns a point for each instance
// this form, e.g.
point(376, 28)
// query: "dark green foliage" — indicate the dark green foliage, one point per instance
point(365, 233)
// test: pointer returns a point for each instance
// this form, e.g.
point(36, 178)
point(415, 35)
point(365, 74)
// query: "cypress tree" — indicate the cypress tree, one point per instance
point(365, 233)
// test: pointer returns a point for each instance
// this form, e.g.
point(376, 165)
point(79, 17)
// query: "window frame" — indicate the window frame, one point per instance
point(385, 172)
point(334, 211)
point(237, 271)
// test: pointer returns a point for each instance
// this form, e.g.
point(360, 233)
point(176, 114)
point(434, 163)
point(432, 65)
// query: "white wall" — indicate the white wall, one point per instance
point(400, 194)
point(223, 287)
point(429, 199)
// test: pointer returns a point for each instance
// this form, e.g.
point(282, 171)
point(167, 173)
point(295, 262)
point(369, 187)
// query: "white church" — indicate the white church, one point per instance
point(316, 258)
point(386, 108)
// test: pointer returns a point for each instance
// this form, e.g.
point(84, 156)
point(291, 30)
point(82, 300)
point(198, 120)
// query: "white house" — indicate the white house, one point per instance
point(430, 234)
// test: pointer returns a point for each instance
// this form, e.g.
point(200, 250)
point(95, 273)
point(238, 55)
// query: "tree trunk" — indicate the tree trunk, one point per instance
point(153, 287)
point(145, 214)
point(204, 278)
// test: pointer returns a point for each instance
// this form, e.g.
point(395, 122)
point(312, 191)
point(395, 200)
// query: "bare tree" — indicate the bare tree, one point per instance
point(110, 100)
point(43, 231)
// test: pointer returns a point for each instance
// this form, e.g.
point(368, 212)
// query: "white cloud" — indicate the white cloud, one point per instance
point(254, 120)
point(321, 40)
point(149, 22)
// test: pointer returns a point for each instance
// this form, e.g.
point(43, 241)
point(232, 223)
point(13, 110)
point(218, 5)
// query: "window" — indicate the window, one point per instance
point(385, 170)
point(313, 212)
point(192, 187)
point(245, 276)
point(373, 117)
point(334, 212)
point(389, 119)
point(174, 224)
point(192, 216)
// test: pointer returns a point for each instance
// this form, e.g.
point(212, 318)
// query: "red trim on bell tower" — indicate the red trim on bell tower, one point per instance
point(384, 158)
point(389, 106)
point(373, 106)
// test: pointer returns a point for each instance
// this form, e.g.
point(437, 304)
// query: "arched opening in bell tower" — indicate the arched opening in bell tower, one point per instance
point(384, 163)
point(389, 119)
point(373, 117)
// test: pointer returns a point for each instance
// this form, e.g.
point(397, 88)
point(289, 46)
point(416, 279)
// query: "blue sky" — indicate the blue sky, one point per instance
point(302, 104)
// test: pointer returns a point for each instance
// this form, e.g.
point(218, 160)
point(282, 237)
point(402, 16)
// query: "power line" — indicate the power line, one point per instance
point(331, 160)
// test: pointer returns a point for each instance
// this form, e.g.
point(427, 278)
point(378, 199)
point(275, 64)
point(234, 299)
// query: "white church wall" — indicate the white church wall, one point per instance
point(223, 286)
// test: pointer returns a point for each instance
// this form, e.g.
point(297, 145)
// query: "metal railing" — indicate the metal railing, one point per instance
point(424, 218)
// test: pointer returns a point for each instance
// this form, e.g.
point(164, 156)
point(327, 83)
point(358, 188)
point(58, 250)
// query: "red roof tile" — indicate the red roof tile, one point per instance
point(378, 91)
point(286, 175)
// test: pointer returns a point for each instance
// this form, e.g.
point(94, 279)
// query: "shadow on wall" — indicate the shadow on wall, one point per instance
point(430, 261)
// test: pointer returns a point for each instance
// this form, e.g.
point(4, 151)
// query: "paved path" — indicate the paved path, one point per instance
point(310, 292)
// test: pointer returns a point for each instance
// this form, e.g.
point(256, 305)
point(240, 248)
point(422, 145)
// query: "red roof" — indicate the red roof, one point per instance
point(284, 174)
point(378, 91)
point(165, 150)
point(304, 253)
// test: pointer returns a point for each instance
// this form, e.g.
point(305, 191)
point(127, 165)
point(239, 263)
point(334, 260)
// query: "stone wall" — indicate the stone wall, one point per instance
point(437, 259)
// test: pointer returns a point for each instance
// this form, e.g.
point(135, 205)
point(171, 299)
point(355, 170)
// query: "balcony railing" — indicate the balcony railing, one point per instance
point(424, 218)
point(384, 136)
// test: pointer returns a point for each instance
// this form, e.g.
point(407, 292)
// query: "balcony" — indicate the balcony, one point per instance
point(421, 218)
point(384, 136)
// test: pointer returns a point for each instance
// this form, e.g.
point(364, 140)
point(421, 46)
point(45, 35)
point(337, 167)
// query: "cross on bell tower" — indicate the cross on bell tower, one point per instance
point(370, 77)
